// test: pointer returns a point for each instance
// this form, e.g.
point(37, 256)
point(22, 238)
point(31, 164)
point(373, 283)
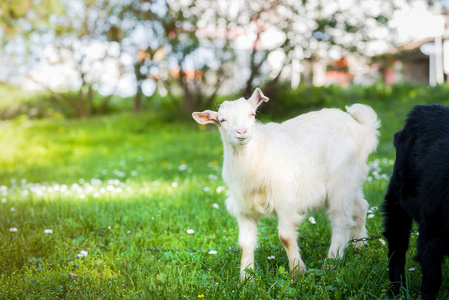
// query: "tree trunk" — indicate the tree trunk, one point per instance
point(138, 99)
point(79, 104)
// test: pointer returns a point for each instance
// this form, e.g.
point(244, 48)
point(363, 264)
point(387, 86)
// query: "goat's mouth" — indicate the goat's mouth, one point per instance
point(241, 140)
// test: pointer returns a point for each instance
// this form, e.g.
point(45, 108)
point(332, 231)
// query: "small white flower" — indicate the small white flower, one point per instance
point(206, 189)
point(182, 167)
point(14, 229)
point(411, 269)
point(215, 205)
point(3, 200)
point(133, 173)
point(382, 241)
point(369, 179)
point(174, 184)
point(129, 231)
point(13, 209)
point(109, 227)
point(271, 257)
point(220, 189)
point(82, 253)
point(96, 195)
point(190, 231)
point(212, 252)
point(48, 231)
point(374, 208)
point(312, 220)
point(370, 216)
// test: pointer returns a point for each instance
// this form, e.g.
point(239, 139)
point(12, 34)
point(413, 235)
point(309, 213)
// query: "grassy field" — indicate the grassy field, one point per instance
point(84, 202)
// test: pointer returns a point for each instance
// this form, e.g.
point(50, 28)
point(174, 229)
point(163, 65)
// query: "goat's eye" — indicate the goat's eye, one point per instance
point(252, 115)
point(222, 120)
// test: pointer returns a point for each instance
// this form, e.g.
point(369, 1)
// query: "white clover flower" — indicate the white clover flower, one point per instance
point(215, 205)
point(12, 209)
point(182, 167)
point(374, 208)
point(109, 227)
point(212, 177)
point(206, 189)
point(190, 231)
point(14, 229)
point(4, 200)
point(369, 179)
point(96, 195)
point(212, 252)
point(411, 269)
point(271, 257)
point(382, 241)
point(48, 231)
point(82, 253)
point(174, 184)
point(312, 220)
point(220, 189)
point(370, 216)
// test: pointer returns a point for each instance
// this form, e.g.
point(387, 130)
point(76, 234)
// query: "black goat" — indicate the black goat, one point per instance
point(419, 190)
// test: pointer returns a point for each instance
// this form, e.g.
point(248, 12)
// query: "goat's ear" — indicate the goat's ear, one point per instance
point(257, 98)
point(206, 117)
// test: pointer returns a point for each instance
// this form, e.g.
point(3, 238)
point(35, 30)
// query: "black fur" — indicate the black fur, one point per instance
point(419, 190)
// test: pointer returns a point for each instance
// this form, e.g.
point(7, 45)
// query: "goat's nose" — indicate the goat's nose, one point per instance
point(242, 130)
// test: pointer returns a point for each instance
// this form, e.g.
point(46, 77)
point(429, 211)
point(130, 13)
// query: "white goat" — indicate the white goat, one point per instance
point(287, 170)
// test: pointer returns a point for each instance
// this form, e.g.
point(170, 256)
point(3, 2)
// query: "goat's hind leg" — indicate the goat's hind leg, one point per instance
point(341, 212)
point(397, 224)
point(360, 210)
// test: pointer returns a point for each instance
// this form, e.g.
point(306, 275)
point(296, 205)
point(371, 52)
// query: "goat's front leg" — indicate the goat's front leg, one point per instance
point(430, 256)
point(288, 235)
point(247, 242)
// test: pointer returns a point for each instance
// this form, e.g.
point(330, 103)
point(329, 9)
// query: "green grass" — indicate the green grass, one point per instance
point(118, 186)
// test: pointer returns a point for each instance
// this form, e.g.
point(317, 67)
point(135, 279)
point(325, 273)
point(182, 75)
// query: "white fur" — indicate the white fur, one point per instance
point(316, 160)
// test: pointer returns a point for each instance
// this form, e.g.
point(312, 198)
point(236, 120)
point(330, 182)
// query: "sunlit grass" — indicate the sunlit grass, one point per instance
point(84, 203)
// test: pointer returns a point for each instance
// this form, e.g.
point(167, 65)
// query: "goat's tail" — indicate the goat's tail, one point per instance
point(367, 117)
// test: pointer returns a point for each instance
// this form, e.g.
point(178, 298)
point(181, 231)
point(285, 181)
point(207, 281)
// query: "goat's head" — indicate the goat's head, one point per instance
point(236, 119)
